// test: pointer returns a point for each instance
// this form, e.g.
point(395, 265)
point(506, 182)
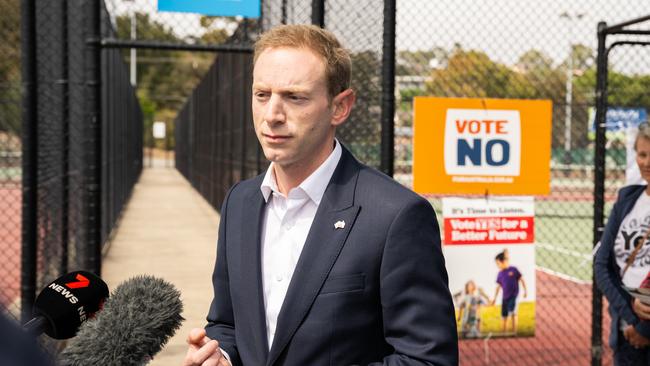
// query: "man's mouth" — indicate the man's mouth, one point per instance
point(275, 138)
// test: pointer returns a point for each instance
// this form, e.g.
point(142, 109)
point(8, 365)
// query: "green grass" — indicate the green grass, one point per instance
point(13, 173)
point(491, 321)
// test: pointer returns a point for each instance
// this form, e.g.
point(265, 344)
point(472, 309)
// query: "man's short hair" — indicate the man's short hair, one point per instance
point(320, 41)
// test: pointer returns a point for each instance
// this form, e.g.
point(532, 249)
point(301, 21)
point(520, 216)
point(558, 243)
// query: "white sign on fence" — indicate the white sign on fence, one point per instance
point(159, 130)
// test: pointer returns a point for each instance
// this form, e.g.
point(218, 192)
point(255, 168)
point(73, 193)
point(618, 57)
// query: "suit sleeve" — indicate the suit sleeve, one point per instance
point(418, 313)
point(221, 319)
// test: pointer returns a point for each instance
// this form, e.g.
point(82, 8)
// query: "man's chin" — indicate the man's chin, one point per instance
point(275, 157)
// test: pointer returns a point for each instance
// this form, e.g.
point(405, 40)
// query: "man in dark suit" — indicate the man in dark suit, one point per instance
point(19, 348)
point(322, 260)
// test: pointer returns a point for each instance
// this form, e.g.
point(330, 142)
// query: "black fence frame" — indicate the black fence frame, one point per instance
point(599, 161)
point(97, 225)
point(99, 158)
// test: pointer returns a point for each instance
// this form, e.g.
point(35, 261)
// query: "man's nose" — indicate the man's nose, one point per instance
point(274, 110)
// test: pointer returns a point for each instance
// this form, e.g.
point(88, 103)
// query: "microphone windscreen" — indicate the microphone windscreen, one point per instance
point(138, 319)
point(68, 301)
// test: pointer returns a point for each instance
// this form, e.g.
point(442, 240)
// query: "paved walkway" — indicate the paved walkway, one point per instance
point(169, 231)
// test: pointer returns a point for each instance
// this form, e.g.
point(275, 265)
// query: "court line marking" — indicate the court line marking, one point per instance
point(570, 252)
point(562, 276)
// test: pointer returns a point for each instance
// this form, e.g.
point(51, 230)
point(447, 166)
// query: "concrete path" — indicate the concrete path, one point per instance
point(169, 231)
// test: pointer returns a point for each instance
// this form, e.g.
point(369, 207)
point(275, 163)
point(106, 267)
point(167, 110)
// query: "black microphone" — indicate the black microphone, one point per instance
point(64, 304)
point(136, 322)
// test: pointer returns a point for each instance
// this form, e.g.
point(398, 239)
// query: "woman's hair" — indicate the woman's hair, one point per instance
point(644, 132)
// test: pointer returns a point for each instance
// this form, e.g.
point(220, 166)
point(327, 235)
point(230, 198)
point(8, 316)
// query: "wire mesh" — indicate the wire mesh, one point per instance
point(359, 25)
point(63, 144)
point(507, 49)
point(122, 137)
point(209, 152)
point(526, 50)
point(52, 92)
point(10, 157)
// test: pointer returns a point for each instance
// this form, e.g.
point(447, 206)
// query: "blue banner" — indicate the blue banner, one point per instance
point(244, 8)
point(619, 118)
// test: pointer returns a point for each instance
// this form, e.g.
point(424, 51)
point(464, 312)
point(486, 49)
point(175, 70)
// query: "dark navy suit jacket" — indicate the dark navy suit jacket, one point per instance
point(607, 272)
point(372, 293)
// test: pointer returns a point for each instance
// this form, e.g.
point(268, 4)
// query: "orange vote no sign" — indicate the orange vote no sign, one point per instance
point(478, 146)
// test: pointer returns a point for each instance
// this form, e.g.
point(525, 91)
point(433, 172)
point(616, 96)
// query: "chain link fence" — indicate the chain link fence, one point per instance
point(507, 49)
point(527, 50)
point(71, 165)
point(515, 50)
point(10, 155)
point(216, 149)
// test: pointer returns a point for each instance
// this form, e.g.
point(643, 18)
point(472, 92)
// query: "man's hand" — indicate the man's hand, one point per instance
point(640, 309)
point(203, 351)
point(635, 339)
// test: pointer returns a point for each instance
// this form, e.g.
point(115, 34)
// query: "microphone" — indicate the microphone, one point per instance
point(136, 322)
point(64, 304)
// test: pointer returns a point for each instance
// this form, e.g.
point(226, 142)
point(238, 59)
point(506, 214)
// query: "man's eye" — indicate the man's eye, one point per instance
point(260, 95)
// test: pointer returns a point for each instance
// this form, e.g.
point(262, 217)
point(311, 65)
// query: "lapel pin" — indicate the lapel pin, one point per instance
point(339, 224)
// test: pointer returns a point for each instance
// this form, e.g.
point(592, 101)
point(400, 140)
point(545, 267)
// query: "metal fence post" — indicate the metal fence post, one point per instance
point(388, 89)
point(93, 166)
point(65, 154)
point(29, 159)
point(318, 13)
point(599, 190)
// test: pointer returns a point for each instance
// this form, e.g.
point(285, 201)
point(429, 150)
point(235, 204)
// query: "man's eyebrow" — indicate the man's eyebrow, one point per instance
point(287, 90)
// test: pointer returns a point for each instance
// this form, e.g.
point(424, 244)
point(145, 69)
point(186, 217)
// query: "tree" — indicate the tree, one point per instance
point(420, 62)
point(10, 118)
point(473, 74)
point(362, 131)
point(165, 79)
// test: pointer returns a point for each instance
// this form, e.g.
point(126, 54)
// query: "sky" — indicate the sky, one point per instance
point(504, 29)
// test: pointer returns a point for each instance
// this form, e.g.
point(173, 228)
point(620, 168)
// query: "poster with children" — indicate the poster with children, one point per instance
point(490, 256)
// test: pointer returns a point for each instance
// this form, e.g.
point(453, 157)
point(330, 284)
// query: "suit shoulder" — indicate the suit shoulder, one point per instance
point(373, 184)
point(246, 185)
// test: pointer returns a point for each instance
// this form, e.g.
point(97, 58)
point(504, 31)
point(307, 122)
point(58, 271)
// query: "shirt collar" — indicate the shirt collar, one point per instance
point(314, 185)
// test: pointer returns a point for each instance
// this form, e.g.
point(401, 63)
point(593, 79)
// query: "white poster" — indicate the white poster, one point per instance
point(490, 255)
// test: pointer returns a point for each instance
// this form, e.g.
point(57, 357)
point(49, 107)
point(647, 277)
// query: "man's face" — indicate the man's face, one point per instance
point(292, 113)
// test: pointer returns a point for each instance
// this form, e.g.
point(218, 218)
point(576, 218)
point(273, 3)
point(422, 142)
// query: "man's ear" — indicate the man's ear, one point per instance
point(342, 106)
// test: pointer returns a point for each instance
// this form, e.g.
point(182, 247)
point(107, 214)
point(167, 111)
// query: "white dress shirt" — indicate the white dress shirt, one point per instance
point(285, 226)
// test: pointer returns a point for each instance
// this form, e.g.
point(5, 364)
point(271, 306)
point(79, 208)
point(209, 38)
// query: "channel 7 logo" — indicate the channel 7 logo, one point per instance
point(483, 142)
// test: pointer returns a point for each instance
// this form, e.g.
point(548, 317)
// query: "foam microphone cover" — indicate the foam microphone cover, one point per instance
point(138, 319)
point(68, 301)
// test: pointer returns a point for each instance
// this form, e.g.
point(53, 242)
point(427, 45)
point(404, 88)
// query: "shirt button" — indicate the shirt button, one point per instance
point(278, 278)
point(288, 226)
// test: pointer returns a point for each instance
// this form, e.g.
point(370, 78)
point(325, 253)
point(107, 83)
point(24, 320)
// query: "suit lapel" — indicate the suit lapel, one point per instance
point(322, 247)
point(250, 267)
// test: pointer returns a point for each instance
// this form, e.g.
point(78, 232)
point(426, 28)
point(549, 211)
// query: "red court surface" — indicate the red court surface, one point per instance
point(563, 318)
point(10, 237)
point(562, 334)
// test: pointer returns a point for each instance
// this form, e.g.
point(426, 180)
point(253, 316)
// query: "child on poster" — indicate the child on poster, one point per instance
point(508, 279)
point(469, 310)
